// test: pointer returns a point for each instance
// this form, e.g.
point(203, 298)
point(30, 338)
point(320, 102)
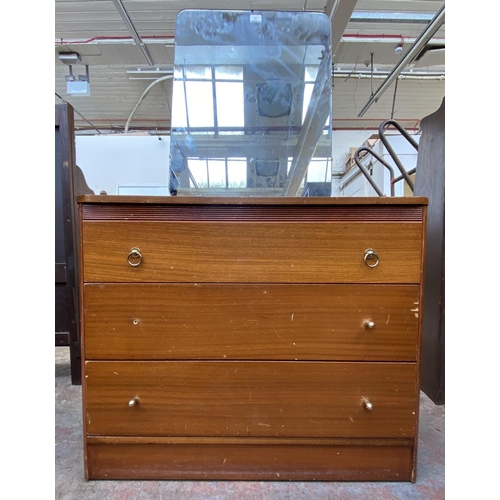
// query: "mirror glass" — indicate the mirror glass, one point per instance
point(252, 104)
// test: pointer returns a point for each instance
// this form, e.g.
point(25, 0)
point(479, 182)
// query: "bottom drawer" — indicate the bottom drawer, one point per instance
point(250, 399)
point(328, 462)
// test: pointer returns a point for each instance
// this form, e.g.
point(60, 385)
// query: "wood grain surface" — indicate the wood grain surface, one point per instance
point(282, 322)
point(268, 399)
point(252, 252)
point(250, 461)
point(250, 201)
point(241, 340)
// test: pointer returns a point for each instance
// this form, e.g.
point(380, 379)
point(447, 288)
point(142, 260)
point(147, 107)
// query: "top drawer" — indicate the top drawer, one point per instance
point(252, 252)
point(275, 240)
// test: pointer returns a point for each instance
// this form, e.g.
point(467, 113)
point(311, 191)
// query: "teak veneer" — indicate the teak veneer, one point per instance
point(251, 338)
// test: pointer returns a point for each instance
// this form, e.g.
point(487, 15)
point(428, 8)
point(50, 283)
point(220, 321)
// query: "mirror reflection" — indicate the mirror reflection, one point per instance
point(252, 102)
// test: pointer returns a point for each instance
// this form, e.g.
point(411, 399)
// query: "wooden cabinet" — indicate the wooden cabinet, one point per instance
point(69, 182)
point(267, 339)
point(67, 331)
point(430, 183)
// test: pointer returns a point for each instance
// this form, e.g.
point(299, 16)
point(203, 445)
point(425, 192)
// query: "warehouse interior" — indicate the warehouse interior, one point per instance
point(120, 68)
point(114, 65)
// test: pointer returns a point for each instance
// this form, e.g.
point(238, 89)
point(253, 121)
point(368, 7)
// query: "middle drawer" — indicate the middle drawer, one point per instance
point(222, 321)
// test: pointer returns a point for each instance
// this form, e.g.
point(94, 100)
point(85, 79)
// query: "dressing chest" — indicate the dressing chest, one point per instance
point(251, 338)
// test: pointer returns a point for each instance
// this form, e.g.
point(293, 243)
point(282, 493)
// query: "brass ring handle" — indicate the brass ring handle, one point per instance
point(134, 257)
point(369, 256)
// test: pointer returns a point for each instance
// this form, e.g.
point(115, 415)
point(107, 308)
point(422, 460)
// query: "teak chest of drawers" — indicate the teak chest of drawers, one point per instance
point(251, 338)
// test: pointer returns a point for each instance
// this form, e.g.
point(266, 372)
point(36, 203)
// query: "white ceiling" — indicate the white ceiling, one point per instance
point(97, 32)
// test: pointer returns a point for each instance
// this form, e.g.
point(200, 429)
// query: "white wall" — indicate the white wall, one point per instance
point(403, 149)
point(109, 161)
point(130, 164)
point(345, 139)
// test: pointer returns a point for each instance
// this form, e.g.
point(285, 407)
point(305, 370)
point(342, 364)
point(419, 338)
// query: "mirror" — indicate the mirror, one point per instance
point(252, 103)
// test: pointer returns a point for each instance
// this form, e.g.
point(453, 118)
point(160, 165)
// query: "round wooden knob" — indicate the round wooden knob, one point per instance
point(368, 404)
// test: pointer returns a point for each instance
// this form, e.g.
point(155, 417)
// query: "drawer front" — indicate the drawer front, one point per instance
point(252, 399)
point(276, 462)
point(314, 252)
point(282, 322)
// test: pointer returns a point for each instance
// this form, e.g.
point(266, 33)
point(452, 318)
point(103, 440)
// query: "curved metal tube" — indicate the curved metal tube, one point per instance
point(410, 172)
point(366, 173)
point(383, 126)
point(144, 94)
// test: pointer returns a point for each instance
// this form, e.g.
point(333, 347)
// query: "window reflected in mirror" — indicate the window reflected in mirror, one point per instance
point(252, 103)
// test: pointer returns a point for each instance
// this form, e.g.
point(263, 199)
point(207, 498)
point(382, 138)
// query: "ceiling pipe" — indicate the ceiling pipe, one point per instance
point(384, 38)
point(169, 40)
point(144, 94)
point(128, 22)
point(413, 51)
point(367, 76)
point(160, 39)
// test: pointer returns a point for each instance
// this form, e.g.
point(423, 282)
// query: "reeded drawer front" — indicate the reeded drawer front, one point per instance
point(282, 322)
point(266, 399)
point(249, 252)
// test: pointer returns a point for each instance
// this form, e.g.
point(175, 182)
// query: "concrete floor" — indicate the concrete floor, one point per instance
point(70, 482)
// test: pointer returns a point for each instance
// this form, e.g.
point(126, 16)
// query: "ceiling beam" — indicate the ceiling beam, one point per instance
point(412, 52)
point(131, 28)
point(340, 12)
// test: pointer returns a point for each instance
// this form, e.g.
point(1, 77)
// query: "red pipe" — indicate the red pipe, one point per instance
point(62, 42)
point(153, 37)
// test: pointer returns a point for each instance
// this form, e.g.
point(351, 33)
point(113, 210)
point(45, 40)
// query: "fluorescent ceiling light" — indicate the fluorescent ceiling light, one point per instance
point(69, 58)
